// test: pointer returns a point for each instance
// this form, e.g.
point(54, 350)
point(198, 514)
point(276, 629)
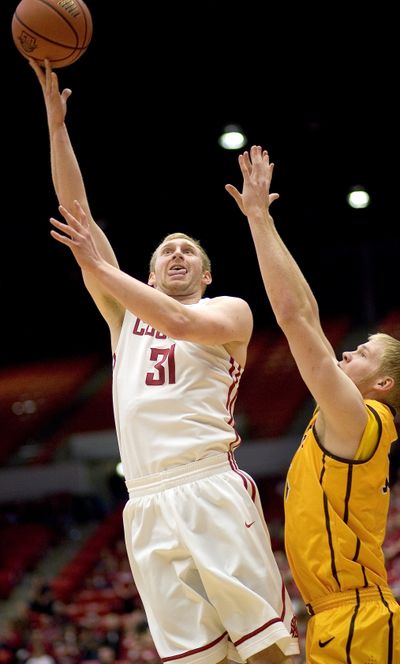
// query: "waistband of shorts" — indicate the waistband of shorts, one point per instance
point(355, 596)
point(212, 465)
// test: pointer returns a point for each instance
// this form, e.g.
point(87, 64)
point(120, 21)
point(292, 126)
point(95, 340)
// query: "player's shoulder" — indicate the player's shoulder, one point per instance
point(380, 407)
point(227, 299)
point(383, 416)
point(237, 310)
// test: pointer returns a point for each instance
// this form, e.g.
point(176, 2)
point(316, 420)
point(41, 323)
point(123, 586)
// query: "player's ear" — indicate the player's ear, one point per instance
point(207, 278)
point(384, 383)
point(152, 279)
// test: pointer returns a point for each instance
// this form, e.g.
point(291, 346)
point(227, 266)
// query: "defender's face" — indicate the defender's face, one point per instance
point(363, 364)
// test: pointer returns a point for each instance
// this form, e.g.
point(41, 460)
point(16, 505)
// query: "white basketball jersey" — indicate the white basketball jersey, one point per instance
point(173, 400)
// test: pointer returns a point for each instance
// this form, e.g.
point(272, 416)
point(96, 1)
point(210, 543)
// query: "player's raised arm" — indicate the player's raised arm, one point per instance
point(343, 416)
point(69, 186)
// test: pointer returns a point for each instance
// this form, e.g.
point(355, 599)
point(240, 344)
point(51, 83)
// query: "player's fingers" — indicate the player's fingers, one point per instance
point(35, 66)
point(255, 153)
point(71, 220)
point(245, 158)
point(51, 78)
point(38, 71)
point(67, 92)
point(265, 157)
point(81, 214)
point(64, 239)
point(272, 198)
point(245, 165)
point(257, 159)
point(66, 228)
point(235, 194)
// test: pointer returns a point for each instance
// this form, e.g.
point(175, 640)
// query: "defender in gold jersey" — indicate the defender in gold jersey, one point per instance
point(337, 489)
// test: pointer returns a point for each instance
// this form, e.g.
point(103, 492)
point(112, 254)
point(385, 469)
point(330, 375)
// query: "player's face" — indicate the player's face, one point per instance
point(178, 268)
point(363, 364)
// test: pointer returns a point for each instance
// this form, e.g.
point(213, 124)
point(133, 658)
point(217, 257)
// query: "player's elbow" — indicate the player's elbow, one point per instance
point(290, 318)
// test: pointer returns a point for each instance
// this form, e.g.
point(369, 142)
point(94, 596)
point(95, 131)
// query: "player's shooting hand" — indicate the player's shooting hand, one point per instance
point(56, 102)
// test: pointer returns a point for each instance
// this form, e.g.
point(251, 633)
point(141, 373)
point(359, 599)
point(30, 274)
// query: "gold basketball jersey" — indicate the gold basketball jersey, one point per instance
point(336, 510)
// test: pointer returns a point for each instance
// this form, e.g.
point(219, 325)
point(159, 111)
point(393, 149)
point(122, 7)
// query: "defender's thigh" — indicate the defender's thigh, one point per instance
point(370, 634)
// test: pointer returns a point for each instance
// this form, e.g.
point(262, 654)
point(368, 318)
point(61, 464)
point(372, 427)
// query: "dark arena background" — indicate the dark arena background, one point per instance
point(150, 98)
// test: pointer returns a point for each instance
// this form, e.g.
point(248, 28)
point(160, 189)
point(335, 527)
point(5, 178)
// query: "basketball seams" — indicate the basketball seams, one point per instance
point(54, 23)
point(85, 16)
point(47, 39)
point(64, 18)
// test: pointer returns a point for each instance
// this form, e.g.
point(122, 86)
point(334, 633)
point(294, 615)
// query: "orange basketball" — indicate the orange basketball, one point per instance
point(59, 30)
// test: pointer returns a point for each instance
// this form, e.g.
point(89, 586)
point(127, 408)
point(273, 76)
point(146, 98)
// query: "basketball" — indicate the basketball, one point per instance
point(59, 30)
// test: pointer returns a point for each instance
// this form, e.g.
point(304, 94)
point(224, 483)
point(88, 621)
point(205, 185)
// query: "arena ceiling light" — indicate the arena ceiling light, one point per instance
point(232, 137)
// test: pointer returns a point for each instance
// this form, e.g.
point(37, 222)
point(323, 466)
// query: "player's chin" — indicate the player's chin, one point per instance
point(177, 281)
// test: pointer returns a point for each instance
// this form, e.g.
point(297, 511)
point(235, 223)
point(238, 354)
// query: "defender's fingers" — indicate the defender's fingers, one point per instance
point(245, 164)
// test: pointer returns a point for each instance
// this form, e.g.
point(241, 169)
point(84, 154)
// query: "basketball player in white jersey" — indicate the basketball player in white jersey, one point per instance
point(197, 542)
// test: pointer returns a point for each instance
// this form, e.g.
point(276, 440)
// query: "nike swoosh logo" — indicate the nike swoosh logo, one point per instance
point(248, 525)
point(322, 644)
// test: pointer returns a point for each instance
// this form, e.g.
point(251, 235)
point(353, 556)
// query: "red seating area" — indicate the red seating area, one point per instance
point(32, 394)
point(22, 546)
point(94, 414)
point(391, 323)
point(272, 390)
point(73, 575)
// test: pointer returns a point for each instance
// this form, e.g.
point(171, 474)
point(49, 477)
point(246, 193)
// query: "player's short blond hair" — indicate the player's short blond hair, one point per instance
point(390, 364)
point(182, 236)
